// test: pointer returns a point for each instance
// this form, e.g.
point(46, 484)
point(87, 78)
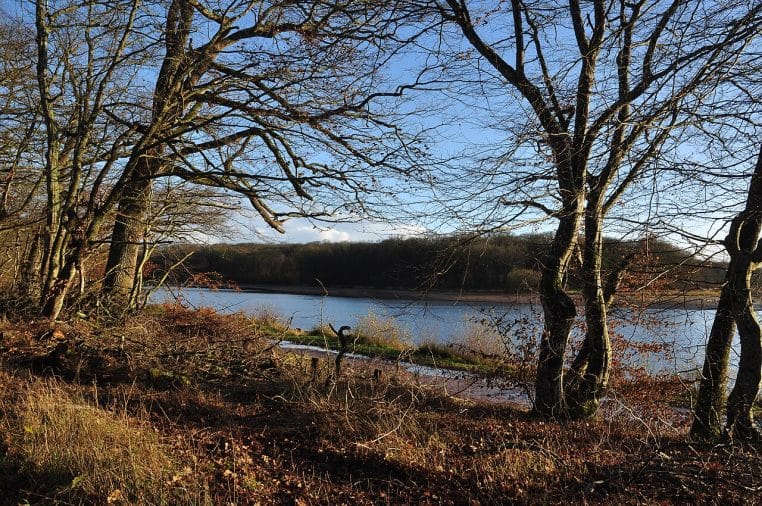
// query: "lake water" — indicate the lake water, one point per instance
point(681, 332)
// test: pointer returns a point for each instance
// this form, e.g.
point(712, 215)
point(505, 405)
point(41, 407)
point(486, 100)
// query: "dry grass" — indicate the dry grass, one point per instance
point(322, 330)
point(268, 317)
point(481, 339)
point(374, 329)
point(73, 449)
point(253, 424)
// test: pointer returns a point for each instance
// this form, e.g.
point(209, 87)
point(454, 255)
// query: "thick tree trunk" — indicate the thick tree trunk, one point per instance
point(591, 368)
point(579, 365)
point(174, 79)
point(744, 393)
point(127, 240)
point(745, 252)
point(707, 421)
point(559, 312)
point(743, 242)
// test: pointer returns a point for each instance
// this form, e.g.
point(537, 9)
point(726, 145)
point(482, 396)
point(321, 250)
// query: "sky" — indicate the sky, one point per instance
point(301, 230)
point(456, 128)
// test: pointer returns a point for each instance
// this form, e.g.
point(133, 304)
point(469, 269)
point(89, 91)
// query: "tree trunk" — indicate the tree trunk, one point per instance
point(559, 312)
point(59, 288)
point(707, 421)
point(745, 253)
point(31, 272)
point(52, 265)
point(743, 242)
point(127, 240)
point(173, 81)
point(744, 393)
point(592, 366)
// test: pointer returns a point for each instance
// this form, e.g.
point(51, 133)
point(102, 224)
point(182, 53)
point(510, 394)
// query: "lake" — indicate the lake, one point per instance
point(681, 333)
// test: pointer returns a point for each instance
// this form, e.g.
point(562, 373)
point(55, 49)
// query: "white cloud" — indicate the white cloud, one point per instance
point(333, 235)
point(302, 231)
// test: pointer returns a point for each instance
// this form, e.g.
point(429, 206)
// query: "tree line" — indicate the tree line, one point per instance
point(507, 263)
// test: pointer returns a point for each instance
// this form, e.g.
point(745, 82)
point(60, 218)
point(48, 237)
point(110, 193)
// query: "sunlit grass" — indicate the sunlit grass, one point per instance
point(478, 350)
point(64, 442)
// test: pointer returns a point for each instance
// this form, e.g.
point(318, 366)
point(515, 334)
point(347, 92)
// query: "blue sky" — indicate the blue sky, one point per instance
point(458, 122)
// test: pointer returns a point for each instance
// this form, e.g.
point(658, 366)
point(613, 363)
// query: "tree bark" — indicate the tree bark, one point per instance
point(31, 273)
point(127, 239)
point(168, 103)
point(744, 393)
point(745, 252)
point(743, 242)
point(592, 369)
point(707, 421)
point(559, 312)
point(59, 289)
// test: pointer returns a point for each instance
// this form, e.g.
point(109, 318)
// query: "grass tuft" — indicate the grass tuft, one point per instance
point(82, 451)
point(375, 330)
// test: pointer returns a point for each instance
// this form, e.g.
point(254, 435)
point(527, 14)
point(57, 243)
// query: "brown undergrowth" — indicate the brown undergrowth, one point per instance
point(191, 407)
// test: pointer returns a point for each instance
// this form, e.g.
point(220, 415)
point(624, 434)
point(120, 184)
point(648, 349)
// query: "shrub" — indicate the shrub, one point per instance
point(267, 316)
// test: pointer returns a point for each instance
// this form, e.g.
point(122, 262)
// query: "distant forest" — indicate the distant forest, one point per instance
point(499, 263)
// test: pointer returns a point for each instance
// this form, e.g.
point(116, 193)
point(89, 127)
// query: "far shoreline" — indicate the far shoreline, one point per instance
point(494, 297)
point(686, 300)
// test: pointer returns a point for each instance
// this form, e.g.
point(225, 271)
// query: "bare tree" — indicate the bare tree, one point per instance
point(735, 308)
point(269, 100)
point(20, 179)
point(605, 85)
point(87, 56)
point(272, 104)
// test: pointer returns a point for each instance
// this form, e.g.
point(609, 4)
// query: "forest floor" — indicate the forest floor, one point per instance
point(172, 406)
